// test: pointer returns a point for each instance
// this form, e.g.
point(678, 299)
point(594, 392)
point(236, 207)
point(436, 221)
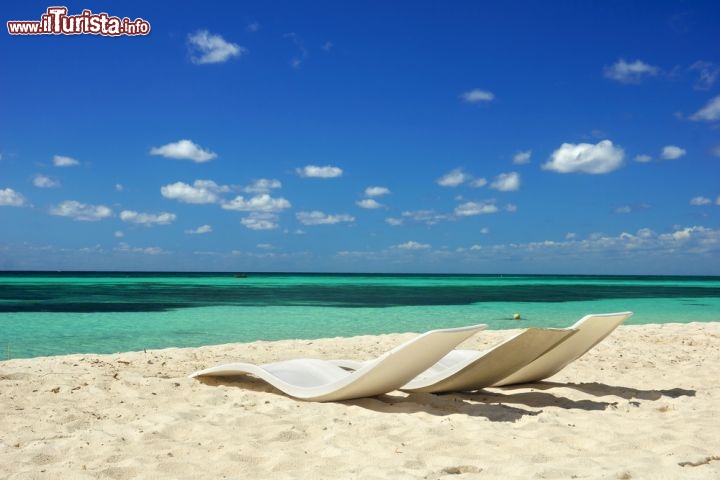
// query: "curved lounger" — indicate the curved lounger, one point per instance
point(591, 330)
point(463, 370)
point(322, 381)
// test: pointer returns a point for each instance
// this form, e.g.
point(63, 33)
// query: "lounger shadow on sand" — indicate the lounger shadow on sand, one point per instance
point(322, 381)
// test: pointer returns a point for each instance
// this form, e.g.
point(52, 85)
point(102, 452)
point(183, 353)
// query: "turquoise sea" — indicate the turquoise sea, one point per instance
point(50, 313)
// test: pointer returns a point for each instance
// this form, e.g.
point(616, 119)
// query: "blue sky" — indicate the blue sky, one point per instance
point(471, 137)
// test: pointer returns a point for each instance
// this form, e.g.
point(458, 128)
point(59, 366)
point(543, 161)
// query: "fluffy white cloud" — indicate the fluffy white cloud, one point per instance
point(163, 218)
point(671, 152)
point(479, 182)
point(184, 150)
point(394, 221)
point(698, 201)
point(634, 72)
point(521, 158)
point(710, 112)
point(207, 48)
point(586, 158)
point(11, 198)
point(62, 161)
point(376, 191)
point(314, 171)
point(259, 203)
point(476, 96)
point(201, 191)
point(41, 181)
point(202, 229)
point(263, 185)
point(475, 208)
point(506, 182)
point(642, 158)
point(411, 245)
point(81, 211)
point(260, 221)
point(453, 178)
point(369, 203)
point(319, 218)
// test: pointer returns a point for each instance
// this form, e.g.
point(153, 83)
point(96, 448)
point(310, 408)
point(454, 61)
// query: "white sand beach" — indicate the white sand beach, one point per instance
point(643, 404)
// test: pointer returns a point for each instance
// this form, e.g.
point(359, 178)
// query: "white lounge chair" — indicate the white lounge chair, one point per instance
point(463, 370)
point(322, 381)
point(591, 330)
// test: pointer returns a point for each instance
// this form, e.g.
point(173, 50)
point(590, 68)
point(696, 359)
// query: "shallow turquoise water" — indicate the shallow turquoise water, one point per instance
point(51, 314)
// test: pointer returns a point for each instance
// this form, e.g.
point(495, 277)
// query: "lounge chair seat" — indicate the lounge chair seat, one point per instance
point(463, 370)
point(591, 330)
point(322, 381)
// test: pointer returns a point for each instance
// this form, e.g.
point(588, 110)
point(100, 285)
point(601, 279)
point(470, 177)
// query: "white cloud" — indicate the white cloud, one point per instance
point(428, 217)
point(511, 208)
point(671, 152)
point(453, 178)
point(207, 48)
point(708, 74)
point(319, 218)
point(710, 112)
point(475, 208)
point(202, 229)
point(81, 211)
point(715, 151)
point(327, 46)
point(265, 246)
point(476, 96)
point(376, 191)
point(119, 234)
point(586, 158)
point(479, 183)
point(395, 222)
point(642, 158)
point(125, 248)
point(698, 201)
point(11, 198)
point(184, 150)
point(634, 72)
point(41, 181)
point(623, 210)
point(263, 185)
point(506, 182)
point(62, 161)
point(314, 171)
point(411, 245)
point(202, 191)
point(369, 203)
point(253, 27)
point(163, 218)
point(119, 187)
point(523, 157)
point(259, 203)
point(260, 221)
point(484, 231)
